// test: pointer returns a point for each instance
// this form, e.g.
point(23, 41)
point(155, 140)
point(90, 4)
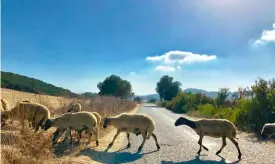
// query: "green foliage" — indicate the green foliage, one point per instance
point(249, 110)
point(162, 103)
point(25, 84)
point(222, 96)
point(152, 101)
point(166, 88)
point(115, 86)
point(137, 99)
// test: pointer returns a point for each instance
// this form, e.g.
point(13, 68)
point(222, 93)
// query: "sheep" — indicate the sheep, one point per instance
point(214, 128)
point(4, 105)
point(132, 123)
point(268, 130)
point(31, 124)
point(98, 118)
point(73, 121)
point(75, 107)
point(33, 112)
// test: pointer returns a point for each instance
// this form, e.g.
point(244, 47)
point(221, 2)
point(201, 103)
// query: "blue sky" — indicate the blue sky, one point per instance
point(203, 44)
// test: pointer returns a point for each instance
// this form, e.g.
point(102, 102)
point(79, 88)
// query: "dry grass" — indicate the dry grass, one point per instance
point(18, 147)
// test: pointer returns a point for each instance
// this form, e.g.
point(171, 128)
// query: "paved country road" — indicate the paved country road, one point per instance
point(179, 145)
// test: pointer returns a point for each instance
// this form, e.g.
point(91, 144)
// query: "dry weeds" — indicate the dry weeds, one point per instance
point(18, 147)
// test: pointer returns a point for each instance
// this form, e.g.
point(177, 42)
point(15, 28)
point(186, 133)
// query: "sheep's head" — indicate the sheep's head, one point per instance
point(47, 124)
point(267, 131)
point(107, 122)
point(180, 121)
point(4, 117)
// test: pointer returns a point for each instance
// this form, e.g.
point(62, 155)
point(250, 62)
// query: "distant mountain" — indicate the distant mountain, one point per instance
point(149, 97)
point(212, 94)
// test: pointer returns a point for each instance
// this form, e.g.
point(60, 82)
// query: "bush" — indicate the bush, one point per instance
point(162, 103)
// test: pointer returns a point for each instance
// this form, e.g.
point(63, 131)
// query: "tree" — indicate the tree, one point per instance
point(222, 96)
point(115, 86)
point(137, 99)
point(152, 100)
point(166, 88)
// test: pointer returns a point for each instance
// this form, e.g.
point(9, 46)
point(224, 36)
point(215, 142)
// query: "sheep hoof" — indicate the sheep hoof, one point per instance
point(158, 147)
point(110, 145)
point(240, 156)
point(199, 152)
point(129, 145)
point(97, 143)
point(139, 149)
point(218, 152)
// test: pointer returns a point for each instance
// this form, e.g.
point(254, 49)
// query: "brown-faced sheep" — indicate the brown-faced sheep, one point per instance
point(214, 128)
point(75, 107)
point(268, 130)
point(4, 107)
point(60, 131)
point(132, 123)
point(73, 121)
point(33, 112)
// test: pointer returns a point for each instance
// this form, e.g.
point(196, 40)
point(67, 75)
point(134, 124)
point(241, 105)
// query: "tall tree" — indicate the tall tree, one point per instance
point(166, 88)
point(222, 96)
point(115, 86)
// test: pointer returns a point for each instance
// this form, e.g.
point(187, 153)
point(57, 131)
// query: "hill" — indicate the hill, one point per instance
point(212, 94)
point(26, 84)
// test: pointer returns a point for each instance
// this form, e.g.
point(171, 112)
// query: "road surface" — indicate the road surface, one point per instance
point(179, 145)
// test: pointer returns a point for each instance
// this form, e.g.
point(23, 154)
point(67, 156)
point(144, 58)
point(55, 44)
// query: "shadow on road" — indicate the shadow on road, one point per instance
point(197, 160)
point(112, 157)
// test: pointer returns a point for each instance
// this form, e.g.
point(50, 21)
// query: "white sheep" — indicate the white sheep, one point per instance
point(214, 128)
point(4, 105)
point(132, 123)
point(268, 130)
point(75, 107)
point(73, 121)
point(98, 118)
point(33, 112)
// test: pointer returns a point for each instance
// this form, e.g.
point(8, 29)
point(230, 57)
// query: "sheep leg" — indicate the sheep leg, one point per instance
point(79, 135)
point(200, 143)
point(143, 142)
point(237, 146)
point(22, 125)
point(117, 133)
point(156, 140)
point(70, 133)
point(95, 131)
point(128, 137)
point(223, 145)
point(36, 128)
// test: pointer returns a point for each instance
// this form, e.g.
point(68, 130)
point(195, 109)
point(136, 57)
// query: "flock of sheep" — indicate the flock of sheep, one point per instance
point(77, 120)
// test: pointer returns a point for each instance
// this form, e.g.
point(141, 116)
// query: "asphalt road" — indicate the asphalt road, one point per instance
point(180, 145)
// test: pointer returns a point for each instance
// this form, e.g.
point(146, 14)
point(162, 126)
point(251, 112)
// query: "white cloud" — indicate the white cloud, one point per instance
point(178, 67)
point(132, 73)
point(267, 36)
point(181, 57)
point(165, 68)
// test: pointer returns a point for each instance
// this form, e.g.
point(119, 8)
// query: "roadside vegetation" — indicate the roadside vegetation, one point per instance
point(20, 147)
point(248, 108)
